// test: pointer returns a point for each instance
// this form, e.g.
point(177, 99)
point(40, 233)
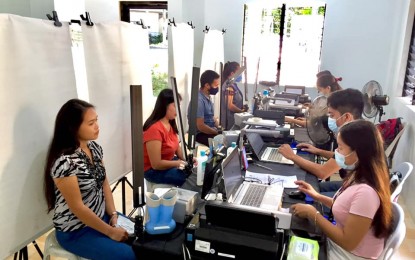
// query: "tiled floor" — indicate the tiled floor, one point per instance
point(406, 250)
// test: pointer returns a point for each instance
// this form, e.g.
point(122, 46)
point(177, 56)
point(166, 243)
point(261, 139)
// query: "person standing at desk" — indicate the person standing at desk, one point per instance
point(361, 227)
point(163, 156)
point(232, 98)
point(77, 188)
point(206, 123)
point(326, 84)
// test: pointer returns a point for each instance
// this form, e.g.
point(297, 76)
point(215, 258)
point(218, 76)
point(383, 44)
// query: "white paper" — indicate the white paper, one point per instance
point(286, 181)
point(126, 224)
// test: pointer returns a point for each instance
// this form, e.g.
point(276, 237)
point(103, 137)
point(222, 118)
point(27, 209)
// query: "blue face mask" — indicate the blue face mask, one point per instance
point(331, 122)
point(340, 160)
point(238, 79)
point(332, 125)
point(213, 91)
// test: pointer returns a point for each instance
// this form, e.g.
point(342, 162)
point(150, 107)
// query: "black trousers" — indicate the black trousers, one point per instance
point(203, 138)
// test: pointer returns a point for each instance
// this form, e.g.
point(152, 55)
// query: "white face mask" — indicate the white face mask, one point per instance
point(340, 160)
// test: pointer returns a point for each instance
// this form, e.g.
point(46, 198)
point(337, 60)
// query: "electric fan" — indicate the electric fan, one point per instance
point(374, 100)
point(316, 122)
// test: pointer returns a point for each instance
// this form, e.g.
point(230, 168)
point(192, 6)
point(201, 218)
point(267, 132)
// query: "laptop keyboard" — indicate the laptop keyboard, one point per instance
point(275, 156)
point(254, 195)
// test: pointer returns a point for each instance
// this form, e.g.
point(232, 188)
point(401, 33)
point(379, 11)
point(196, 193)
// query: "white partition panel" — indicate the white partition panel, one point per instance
point(181, 47)
point(212, 56)
point(36, 79)
point(116, 55)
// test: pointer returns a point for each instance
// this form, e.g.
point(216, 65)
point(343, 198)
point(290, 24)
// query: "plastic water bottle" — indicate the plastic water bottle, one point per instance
point(230, 149)
point(201, 166)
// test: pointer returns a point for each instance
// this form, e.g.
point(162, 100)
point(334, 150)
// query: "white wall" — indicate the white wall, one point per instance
point(359, 43)
point(28, 8)
point(103, 11)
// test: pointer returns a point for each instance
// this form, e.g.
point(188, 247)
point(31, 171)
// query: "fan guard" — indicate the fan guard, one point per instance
point(374, 100)
point(370, 90)
point(316, 121)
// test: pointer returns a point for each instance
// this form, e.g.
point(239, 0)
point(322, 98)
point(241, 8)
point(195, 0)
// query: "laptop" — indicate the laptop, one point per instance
point(262, 197)
point(265, 153)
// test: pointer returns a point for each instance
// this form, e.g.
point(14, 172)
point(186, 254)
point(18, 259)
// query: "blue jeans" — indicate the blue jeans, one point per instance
point(89, 243)
point(329, 188)
point(172, 176)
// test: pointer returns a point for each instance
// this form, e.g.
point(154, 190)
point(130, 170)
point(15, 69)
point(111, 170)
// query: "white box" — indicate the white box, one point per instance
point(185, 205)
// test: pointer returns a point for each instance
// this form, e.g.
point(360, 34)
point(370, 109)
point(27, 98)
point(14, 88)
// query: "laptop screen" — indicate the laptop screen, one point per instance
point(232, 174)
point(256, 142)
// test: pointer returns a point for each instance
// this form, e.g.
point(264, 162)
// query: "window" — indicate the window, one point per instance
point(283, 42)
point(153, 14)
point(409, 82)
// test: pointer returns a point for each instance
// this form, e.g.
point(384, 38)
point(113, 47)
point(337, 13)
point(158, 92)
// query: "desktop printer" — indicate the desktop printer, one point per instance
point(240, 118)
point(297, 90)
point(209, 238)
point(269, 129)
point(288, 103)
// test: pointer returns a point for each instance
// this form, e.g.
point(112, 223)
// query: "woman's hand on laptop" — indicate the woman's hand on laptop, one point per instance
point(307, 189)
point(286, 151)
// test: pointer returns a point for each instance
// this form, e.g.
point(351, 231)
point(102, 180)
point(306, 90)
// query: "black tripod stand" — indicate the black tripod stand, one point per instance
point(123, 180)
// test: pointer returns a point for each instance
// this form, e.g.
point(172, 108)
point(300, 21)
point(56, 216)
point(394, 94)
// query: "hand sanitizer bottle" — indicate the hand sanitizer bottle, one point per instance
point(201, 165)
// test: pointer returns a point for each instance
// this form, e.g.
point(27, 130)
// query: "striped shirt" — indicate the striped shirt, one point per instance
point(90, 180)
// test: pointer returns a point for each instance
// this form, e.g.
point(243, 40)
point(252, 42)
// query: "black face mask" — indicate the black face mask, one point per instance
point(213, 91)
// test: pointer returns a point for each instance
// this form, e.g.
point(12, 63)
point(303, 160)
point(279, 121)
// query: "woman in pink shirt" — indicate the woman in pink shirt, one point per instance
point(361, 207)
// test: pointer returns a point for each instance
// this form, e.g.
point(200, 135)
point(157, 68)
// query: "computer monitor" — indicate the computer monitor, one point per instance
point(137, 145)
point(192, 110)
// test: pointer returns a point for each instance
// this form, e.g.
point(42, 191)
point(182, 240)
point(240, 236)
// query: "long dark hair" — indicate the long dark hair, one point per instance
point(230, 66)
point(363, 137)
point(64, 141)
point(164, 99)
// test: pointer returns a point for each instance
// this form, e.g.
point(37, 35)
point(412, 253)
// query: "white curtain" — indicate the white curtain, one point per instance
point(212, 56)
point(116, 56)
point(36, 78)
point(181, 49)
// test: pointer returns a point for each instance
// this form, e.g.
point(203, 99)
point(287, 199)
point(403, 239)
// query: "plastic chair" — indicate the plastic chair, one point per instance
point(398, 234)
point(390, 150)
point(405, 169)
point(53, 248)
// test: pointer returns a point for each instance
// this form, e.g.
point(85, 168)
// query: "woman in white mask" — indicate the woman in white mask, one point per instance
point(361, 227)
point(326, 84)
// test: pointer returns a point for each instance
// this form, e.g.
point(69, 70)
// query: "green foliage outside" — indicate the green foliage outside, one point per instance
point(159, 80)
point(276, 14)
point(155, 38)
